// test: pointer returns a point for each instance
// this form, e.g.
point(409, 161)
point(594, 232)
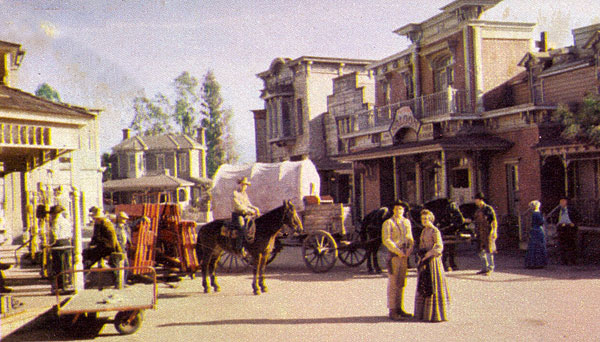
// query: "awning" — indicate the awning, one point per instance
point(479, 142)
point(147, 183)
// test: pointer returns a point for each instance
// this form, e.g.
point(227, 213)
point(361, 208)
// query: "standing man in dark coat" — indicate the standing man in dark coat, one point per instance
point(567, 219)
point(487, 232)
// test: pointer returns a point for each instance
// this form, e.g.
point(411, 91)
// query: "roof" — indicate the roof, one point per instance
point(158, 142)
point(471, 142)
point(158, 182)
point(15, 99)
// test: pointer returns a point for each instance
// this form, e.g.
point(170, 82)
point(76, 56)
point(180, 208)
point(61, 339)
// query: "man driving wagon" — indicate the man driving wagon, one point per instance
point(242, 212)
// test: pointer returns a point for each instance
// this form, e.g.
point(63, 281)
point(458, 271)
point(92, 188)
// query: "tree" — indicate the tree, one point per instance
point(160, 115)
point(583, 124)
point(219, 139)
point(106, 163)
point(47, 92)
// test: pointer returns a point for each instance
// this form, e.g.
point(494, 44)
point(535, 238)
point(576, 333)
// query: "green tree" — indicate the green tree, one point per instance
point(219, 139)
point(47, 92)
point(583, 124)
point(151, 116)
point(106, 163)
point(187, 97)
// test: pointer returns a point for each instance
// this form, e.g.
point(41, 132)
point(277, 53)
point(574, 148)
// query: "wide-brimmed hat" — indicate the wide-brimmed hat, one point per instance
point(244, 180)
point(123, 215)
point(96, 212)
point(402, 204)
point(56, 209)
point(480, 196)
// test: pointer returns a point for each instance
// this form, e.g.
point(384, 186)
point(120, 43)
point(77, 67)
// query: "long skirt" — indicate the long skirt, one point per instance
point(537, 254)
point(434, 308)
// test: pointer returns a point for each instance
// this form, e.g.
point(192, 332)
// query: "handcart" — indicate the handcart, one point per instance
point(129, 302)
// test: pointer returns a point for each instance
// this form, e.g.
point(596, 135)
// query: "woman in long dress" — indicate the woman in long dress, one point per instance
point(537, 254)
point(432, 298)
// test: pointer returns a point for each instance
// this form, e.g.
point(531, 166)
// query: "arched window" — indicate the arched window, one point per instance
point(443, 72)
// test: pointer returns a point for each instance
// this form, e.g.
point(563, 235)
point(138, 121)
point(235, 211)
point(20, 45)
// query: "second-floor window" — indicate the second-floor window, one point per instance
point(443, 73)
point(131, 163)
point(160, 161)
point(300, 116)
point(286, 119)
point(183, 162)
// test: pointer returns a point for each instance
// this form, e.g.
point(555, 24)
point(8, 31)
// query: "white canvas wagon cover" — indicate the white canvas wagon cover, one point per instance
point(272, 183)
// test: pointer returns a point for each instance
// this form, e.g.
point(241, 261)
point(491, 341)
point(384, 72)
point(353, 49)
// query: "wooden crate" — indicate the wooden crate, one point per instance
point(324, 216)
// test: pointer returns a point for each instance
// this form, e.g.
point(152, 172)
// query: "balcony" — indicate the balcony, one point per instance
point(437, 105)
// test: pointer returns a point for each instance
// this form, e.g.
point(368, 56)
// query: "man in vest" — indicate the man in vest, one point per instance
point(241, 208)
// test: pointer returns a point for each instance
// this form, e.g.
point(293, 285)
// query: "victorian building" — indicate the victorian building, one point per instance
point(48, 154)
point(158, 169)
point(293, 124)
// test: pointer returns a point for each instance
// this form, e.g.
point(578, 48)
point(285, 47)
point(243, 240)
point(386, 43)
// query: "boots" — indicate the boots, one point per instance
point(394, 315)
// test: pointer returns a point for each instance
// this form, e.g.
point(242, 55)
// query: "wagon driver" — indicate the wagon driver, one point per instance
point(242, 209)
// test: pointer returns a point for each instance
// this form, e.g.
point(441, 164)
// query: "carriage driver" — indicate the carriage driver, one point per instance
point(241, 207)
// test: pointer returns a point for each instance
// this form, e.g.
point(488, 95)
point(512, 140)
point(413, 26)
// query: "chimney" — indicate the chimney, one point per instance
point(200, 136)
point(542, 44)
point(126, 132)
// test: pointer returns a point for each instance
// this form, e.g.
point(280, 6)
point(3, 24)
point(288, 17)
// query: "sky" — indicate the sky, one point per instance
point(101, 54)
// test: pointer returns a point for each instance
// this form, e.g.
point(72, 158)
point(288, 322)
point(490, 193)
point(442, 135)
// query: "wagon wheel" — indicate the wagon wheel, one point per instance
point(320, 251)
point(276, 249)
point(354, 254)
point(233, 263)
point(128, 322)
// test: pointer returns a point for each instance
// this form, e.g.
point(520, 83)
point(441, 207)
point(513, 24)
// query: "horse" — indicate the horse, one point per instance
point(451, 223)
point(211, 243)
point(370, 234)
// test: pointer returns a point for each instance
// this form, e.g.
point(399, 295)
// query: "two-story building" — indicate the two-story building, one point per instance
point(158, 169)
point(292, 126)
point(48, 154)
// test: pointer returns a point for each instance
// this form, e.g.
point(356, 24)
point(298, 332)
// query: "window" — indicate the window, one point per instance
point(443, 73)
point(300, 116)
point(131, 164)
point(376, 138)
point(286, 119)
point(460, 178)
point(160, 162)
point(181, 195)
point(408, 83)
point(183, 162)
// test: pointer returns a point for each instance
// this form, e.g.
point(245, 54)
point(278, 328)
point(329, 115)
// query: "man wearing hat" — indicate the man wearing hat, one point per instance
point(62, 232)
point(123, 234)
point(396, 235)
point(487, 232)
point(241, 207)
point(104, 240)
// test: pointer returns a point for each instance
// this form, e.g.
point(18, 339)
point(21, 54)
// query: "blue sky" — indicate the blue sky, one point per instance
point(101, 54)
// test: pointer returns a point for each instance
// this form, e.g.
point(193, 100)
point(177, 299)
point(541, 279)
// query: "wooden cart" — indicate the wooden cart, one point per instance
point(80, 311)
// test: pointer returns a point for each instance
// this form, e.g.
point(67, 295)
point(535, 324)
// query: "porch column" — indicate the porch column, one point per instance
point(477, 68)
point(77, 243)
point(565, 163)
point(395, 174)
point(418, 182)
point(443, 175)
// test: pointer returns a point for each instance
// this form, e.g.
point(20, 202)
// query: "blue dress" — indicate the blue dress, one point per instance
point(537, 255)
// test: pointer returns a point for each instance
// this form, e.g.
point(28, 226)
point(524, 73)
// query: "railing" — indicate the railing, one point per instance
point(449, 102)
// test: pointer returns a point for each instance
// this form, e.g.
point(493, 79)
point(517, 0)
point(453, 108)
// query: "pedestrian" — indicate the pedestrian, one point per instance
point(567, 220)
point(537, 254)
point(123, 236)
point(104, 240)
point(432, 297)
point(61, 233)
point(487, 232)
point(396, 235)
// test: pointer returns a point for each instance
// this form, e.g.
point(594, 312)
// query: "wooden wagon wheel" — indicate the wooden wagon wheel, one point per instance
point(320, 251)
point(354, 254)
point(232, 263)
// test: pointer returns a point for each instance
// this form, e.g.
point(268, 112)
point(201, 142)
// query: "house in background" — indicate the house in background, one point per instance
point(49, 154)
point(158, 169)
point(292, 126)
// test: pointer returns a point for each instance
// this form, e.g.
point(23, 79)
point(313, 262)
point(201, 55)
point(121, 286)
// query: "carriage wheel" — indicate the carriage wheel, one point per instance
point(354, 254)
point(232, 263)
point(320, 251)
point(128, 322)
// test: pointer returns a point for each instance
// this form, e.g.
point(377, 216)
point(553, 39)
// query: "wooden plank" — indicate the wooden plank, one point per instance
point(139, 296)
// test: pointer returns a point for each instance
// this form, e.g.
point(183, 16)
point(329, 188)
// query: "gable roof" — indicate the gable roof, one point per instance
point(15, 99)
point(158, 182)
point(158, 142)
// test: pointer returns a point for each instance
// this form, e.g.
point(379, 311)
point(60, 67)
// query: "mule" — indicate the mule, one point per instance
point(211, 244)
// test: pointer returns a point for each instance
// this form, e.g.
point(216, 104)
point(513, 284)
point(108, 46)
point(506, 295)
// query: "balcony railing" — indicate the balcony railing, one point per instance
point(444, 103)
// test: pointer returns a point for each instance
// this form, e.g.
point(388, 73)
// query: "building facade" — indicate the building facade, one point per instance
point(49, 155)
point(158, 169)
point(292, 125)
